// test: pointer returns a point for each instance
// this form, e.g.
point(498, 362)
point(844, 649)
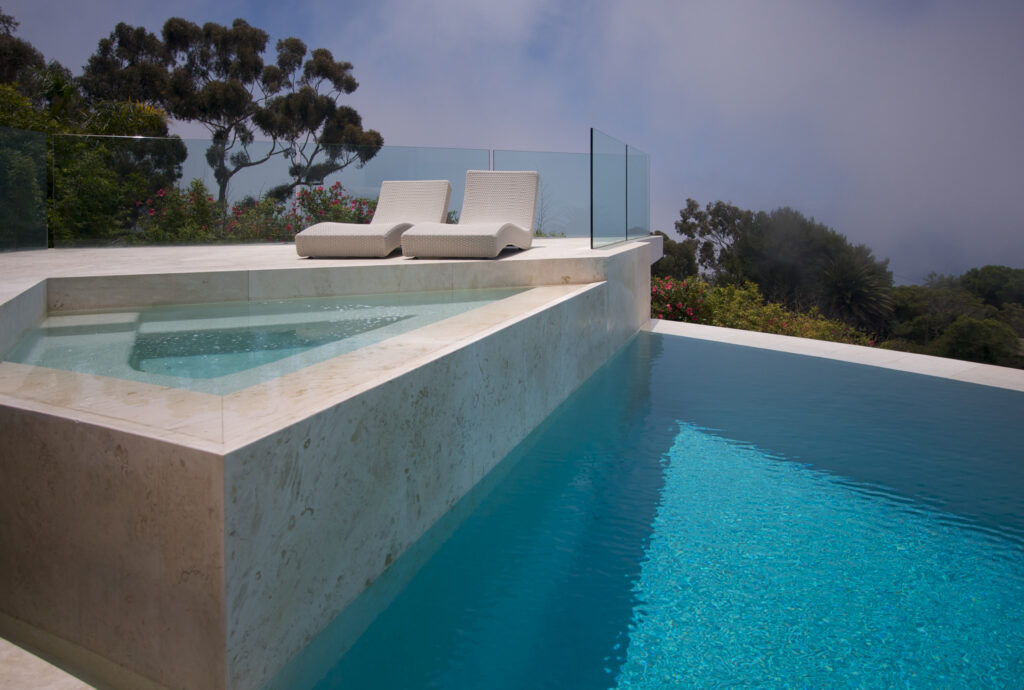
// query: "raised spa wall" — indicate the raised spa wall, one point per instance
point(192, 557)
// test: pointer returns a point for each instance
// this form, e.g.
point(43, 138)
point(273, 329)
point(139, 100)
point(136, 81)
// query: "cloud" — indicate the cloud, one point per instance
point(898, 130)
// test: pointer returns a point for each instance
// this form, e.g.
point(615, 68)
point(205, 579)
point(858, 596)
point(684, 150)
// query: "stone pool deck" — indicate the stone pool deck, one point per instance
point(160, 537)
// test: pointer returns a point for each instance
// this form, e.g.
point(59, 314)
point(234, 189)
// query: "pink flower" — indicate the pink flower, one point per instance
point(152, 212)
point(689, 311)
point(288, 227)
point(159, 192)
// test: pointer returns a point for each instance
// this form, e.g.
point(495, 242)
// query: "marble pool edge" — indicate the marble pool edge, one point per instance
point(928, 365)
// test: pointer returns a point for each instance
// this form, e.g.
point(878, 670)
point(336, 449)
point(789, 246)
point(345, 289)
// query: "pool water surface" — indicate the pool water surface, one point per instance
point(226, 346)
point(701, 514)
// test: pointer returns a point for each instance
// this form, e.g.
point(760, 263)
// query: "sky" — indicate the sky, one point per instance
point(896, 123)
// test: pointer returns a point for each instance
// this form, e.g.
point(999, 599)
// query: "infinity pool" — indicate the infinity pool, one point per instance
point(226, 346)
point(701, 515)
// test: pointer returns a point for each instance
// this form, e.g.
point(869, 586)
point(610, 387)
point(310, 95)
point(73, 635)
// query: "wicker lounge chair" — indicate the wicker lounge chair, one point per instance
point(401, 203)
point(497, 211)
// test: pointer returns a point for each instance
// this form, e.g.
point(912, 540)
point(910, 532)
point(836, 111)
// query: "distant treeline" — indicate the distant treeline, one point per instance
point(808, 268)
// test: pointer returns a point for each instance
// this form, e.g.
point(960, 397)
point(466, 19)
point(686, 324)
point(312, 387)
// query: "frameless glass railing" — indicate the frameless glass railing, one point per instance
point(619, 191)
point(607, 189)
point(106, 190)
point(133, 190)
point(638, 193)
point(22, 189)
point(563, 203)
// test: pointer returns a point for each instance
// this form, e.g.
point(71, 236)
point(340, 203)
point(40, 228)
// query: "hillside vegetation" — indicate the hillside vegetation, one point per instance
point(781, 272)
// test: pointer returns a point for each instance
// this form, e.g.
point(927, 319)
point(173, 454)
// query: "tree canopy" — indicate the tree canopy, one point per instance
point(793, 259)
point(89, 184)
point(995, 285)
point(17, 56)
point(217, 76)
point(322, 137)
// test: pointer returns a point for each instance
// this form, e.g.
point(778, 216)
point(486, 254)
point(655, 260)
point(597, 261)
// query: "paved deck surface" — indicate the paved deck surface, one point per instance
point(21, 270)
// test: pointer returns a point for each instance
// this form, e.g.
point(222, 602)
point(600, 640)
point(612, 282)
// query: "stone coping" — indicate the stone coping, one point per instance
point(54, 280)
point(222, 423)
point(942, 367)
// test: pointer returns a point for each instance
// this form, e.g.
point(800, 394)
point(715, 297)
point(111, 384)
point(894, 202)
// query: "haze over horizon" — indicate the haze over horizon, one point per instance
point(895, 124)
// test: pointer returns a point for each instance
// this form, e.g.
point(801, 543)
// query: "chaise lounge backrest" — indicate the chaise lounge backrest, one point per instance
point(412, 201)
point(498, 196)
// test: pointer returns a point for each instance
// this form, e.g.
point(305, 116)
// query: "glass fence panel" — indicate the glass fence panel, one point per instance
point(22, 189)
point(563, 196)
point(416, 163)
point(127, 190)
point(638, 193)
point(607, 189)
point(137, 190)
point(114, 190)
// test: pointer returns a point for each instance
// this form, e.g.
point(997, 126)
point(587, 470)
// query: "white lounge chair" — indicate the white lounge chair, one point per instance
point(497, 211)
point(401, 203)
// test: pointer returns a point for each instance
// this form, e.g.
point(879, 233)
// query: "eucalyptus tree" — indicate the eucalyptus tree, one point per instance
point(216, 75)
point(320, 136)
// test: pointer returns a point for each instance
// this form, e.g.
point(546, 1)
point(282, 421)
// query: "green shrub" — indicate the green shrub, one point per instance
point(743, 307)
point(731, 306)
point(318, 204)
point(903, 346)
point(678, 300)
point(979, 340)
point(176, 215)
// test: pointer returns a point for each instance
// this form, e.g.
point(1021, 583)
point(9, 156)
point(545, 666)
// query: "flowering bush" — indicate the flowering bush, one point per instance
point(328, 204)
point(679, 300)
point(178, 215)
point(253, 220)
point(730, 306)
point(192, 216)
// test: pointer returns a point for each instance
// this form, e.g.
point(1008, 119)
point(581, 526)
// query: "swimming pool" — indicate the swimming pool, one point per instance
point(700, 514)
point(223, 347)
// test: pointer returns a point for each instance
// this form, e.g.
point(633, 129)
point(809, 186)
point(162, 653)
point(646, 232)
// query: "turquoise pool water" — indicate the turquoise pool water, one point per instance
point(226, 346)
point(707, 515)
